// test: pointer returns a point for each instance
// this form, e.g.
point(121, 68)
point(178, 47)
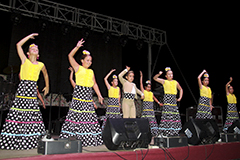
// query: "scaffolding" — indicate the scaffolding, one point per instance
point(60, 13)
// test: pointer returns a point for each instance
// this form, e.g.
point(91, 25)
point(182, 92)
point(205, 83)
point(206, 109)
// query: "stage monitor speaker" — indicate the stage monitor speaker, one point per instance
point(126, 133)
point(60, 146)
point(201, 131)
point(235, 127)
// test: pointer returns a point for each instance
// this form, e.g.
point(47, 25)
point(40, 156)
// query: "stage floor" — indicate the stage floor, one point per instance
point(211, 151)
point(33, 152)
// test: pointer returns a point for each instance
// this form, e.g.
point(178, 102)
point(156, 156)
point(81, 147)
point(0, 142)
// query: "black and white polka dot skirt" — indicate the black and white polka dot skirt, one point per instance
point(203, 109)
point(24, 123)
point(113, 110)
point(81, 121)
point(232, 116)
point(170, 123)
point(148, 113)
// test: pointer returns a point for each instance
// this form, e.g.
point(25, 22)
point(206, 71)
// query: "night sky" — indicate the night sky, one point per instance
point(200, 36)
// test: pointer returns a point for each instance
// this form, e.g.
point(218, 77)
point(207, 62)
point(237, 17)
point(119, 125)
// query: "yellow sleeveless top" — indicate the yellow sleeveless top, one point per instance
point(206, 92)
point(170, 87)
point(84, 77)
point(30, 71)
point(231, 98)
point(113, 92)
point(148, 96)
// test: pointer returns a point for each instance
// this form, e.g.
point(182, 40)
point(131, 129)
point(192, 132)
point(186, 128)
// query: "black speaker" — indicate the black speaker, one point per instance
point(235, 127)
point(126, 133)
point(201, 131)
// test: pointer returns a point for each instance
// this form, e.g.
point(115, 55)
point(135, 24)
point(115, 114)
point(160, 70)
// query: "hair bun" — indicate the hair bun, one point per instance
point(167, 69)
point(86, 52)
point(33, 45)
point(148, 82)
point(206, 75)
point(114, 77)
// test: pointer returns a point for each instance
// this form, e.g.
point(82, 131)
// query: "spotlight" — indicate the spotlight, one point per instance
point(16, 17)
point(86, 32)
point(123, 40)
point(139, 44)
point(66, 28)
point(106, 37)
point(43, 23)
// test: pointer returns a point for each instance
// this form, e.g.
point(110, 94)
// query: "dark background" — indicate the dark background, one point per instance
point(200, 36)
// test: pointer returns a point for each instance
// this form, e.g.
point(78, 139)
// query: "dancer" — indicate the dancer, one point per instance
point(74, 84)
point(130, 92)
point(24, 122)
point(205, 101)
point(232, 113)
point(170, 123)
point(81, 120)
point(114, 94)
point(148, 111)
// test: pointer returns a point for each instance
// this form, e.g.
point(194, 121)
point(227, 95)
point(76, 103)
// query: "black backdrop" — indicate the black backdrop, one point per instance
point(54, 47)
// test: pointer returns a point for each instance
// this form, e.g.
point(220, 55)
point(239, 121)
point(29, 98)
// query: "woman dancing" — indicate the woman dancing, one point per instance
point(130, 92)
point(170, 123)
point(232, 113)
point(24, 122)
point(148, 111)
point(81, 120)
point(205, 101)
point(114, 96)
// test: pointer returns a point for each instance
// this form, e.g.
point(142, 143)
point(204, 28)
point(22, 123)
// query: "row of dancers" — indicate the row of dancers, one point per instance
point(24, 123)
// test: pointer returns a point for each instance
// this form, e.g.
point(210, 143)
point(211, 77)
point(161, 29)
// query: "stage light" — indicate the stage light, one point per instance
point(16, 17)
point(66, 28)
point(106, 36)
point(139, 44)
point(123, 40)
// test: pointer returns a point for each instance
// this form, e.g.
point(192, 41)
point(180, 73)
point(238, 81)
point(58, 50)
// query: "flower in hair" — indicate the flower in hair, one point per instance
point(148, 82)
point(33, 45)
point(206, 75)
point(86, 52)
point(114, 77)
point(167, 69)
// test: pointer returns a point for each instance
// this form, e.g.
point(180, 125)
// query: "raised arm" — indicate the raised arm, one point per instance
point(120, 76)
point(199, 79)
point(19, 45)
point(227, 92)
point(106, 79)
point(71, 59)
point(141, 83)
point(159, 80)
point(45, 75)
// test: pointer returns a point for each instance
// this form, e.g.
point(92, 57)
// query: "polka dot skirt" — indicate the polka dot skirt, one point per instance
point(203, 109)
point(24, 123)
point(148, 113)
point(170, 123)
point(81, 120)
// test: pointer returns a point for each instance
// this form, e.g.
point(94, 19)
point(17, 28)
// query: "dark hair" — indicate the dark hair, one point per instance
point(202, 78)
point(84, 56)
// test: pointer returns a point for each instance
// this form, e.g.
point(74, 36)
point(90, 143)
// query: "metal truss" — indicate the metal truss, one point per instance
point(60, 13)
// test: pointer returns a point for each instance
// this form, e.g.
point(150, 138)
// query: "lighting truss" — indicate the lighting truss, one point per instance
point(60, 13)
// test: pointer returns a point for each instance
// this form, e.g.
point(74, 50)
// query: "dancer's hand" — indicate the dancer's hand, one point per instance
point(211, 107)
point(100, 99)
point(44, 105)
point(160, 72)
point(80, 43)
point(231, 79)
point(71, 69)
point(32, 36)
point(141, 75)
point(46, 90)
point(128, 68)
point(142, 97)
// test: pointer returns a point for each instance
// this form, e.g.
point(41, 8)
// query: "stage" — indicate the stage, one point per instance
point(211, 151)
